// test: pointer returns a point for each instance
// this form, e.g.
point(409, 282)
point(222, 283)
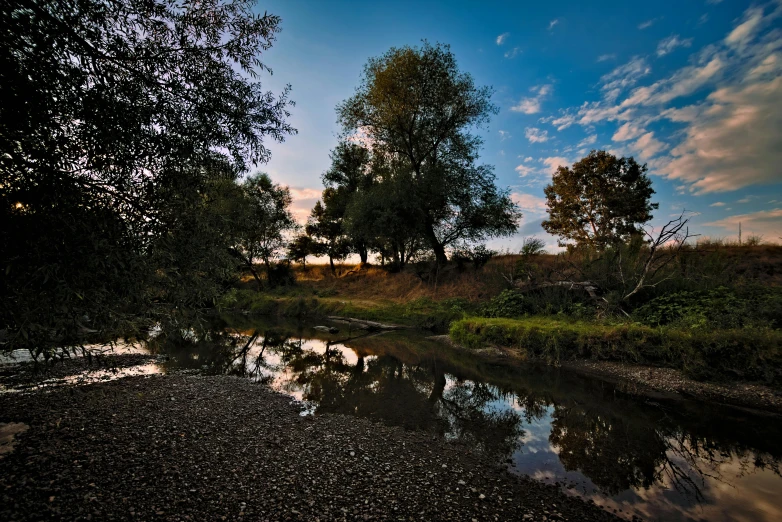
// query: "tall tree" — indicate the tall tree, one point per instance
point(106, 104)
point(349, 175)
point(416, 106)
point(266, 224)
point(600, 200)
point(325, 227)
point(385, 216)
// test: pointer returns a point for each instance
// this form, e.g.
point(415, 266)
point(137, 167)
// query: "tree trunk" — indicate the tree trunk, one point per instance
point(437, 247)
point(333, 270)
point(439, 386)
point(362, 253)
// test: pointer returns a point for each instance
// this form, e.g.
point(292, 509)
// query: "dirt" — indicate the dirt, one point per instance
point(223, 448)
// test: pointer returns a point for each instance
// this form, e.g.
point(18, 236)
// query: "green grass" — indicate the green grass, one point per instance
point(715, 354)
point(419, 313)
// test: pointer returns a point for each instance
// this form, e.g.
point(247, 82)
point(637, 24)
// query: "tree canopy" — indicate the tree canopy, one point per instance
point(123, 126)
point(602, 199)
point(418, 111)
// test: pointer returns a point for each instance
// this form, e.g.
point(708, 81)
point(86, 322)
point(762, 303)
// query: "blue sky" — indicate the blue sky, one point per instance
point(693, 88)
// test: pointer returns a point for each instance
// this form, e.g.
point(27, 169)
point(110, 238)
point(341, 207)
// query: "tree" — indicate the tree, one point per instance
point(385, 217)
point(350, 174)
point(300, 247)
point(266, 223)
point(602, 199)
point(326, 229)
point(106, 105)
point(416, 108)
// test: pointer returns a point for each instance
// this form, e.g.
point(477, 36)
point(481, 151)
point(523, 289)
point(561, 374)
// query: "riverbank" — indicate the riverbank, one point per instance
point(222, 448)
point(721, 366)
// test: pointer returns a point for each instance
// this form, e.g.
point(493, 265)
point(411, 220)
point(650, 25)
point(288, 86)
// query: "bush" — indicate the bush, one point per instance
point(281, 274)
point(478, 256)
point(509, 303)
point(719, 308)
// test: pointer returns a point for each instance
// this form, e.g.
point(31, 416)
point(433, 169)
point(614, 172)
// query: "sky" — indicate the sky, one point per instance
point(692, 88)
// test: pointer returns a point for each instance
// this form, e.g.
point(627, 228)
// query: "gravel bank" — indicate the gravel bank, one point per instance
point(648, 380)
point(652, 381)
point(222, 448)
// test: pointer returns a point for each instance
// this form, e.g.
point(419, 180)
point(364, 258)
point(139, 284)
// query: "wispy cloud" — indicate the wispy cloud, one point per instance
point(648, 146)
point(512, 53)
point(535, 135)
point(647, 24)
point(589, 140)
point(730, 139)
point(529, 204)
point(606, 57)
point(766, 223)
point(524, 170)
point(504, 135)
point(552, 23)
point(531, 105)
point(672, 42)
point(717, 204)
point(304, 199)
point(501, 38)
point(623, 77)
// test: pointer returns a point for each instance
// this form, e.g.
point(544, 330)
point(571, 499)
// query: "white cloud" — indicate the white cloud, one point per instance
point(553, 162)
point(606, 57)
point(766, 223)
point(647, 24)
point(527, 159)
point(529, 204)
point(512, 53)
point(717, 204)
point(504, 135)
point(627, 131)
point(562, 122)
point(672, 42)
point(623, 77)
point(531, 105)
point(524, 170)
point(304, 199)
point(552, 23)
point(589, 140)
point(501, 38)
point(743, 33)
point(771, 66)
point(535, 135)
point(305, 193)
point(648, 146)
point(730, 139)
point(736, 141)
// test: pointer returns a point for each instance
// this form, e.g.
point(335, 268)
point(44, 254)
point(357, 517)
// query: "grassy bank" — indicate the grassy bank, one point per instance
point(713, 354)
point(716, 313)
point(422, 312)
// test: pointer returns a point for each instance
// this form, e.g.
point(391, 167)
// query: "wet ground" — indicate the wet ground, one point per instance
point(657, 459)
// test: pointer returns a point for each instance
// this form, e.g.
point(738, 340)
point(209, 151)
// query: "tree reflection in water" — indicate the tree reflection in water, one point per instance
point(617, 442)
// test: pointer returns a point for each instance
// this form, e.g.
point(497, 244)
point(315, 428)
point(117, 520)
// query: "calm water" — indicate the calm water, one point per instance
point(657, 459)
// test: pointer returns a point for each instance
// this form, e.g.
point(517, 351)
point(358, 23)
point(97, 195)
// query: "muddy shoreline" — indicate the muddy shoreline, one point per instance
point(224, 448)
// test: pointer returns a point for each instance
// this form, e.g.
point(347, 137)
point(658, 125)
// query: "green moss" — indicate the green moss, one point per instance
point(746, 354)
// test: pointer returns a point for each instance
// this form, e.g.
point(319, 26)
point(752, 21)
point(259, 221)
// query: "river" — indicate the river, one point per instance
point(657, 458)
